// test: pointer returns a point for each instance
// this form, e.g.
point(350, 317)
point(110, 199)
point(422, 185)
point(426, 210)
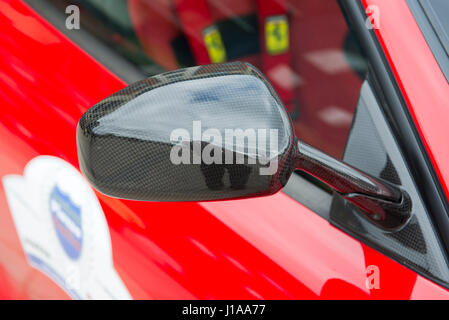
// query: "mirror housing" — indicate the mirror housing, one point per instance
point(202, 133)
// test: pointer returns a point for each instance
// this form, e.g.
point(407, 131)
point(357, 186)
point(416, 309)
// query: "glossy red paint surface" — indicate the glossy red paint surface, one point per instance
point(421, 80)
point(270, 247)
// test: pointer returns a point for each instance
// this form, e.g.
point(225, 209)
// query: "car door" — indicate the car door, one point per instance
point(302, 243)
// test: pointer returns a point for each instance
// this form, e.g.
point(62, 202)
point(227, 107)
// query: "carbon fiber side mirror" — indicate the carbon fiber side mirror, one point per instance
point(213, 132)
point(203, 133)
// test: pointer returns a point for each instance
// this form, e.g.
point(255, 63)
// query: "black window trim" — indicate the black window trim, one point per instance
point(401, 123)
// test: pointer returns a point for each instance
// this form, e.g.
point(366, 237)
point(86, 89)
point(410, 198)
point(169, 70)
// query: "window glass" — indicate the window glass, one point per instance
point(303, 46)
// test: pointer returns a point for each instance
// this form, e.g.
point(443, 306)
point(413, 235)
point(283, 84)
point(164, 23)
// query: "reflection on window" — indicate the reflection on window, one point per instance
point(304, 47)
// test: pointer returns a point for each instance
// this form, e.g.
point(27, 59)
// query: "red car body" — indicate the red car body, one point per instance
point(264, 248)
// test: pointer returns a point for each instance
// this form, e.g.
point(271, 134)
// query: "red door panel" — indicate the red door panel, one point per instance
point(270, 248)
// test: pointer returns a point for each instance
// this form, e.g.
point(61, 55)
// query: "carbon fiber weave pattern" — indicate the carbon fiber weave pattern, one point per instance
point(125, 142)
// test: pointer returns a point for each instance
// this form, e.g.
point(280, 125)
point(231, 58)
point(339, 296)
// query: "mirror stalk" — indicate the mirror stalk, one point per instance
point(385, 204)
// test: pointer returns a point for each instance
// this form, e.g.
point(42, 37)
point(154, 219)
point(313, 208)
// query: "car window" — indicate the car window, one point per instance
point(304, 47)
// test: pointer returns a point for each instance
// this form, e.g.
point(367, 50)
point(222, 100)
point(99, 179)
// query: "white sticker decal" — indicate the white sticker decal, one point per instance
point(63, 230)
